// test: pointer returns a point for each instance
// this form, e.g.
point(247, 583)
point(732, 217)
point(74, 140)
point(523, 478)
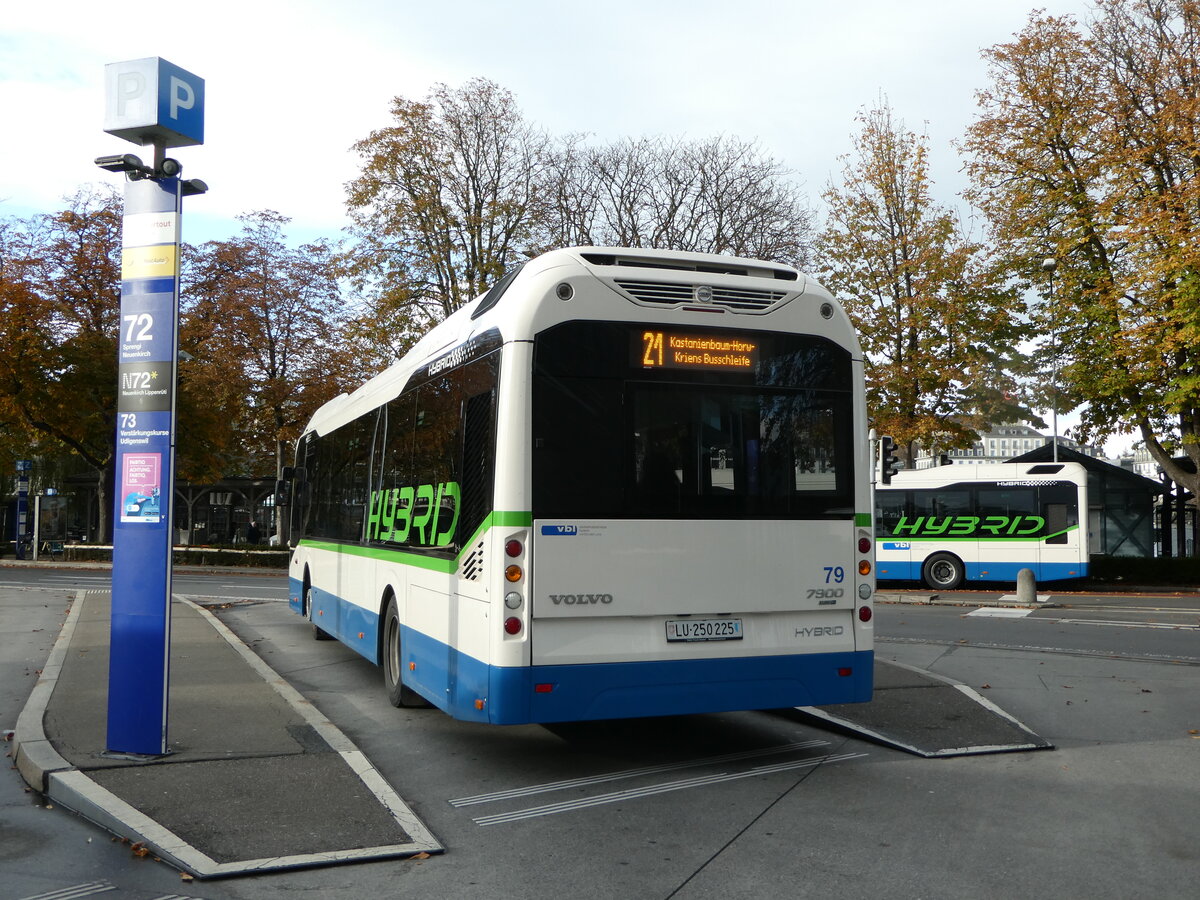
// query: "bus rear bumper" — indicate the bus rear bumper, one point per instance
point(678, 687)
point(627, 690)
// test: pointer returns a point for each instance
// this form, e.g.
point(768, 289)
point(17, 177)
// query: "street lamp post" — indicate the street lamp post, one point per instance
point(1049, 264)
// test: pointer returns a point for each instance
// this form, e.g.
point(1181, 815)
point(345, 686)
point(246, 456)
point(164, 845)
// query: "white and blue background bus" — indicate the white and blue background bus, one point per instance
point(952, 524)
point(620, 483)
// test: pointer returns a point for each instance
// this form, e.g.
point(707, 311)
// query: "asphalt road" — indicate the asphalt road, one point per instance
point(1110, 813)
point(1149, 627)
point(222, 584)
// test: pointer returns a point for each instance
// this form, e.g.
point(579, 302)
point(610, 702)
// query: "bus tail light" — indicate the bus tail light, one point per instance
point(864, 567)
point(864, 614)
point(514, 574)
point(864, 545)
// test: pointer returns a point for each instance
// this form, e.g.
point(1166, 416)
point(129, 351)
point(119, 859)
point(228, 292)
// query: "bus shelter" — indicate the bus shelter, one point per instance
point(1120, 503)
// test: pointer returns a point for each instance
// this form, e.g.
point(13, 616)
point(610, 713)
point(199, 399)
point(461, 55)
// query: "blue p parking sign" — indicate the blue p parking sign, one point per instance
point(152, 101)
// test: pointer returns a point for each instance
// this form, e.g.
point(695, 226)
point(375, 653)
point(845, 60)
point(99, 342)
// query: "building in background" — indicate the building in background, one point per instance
point(1000, 444)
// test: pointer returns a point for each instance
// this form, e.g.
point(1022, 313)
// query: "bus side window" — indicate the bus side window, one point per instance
point(889, 509)
point(1060, 510)
point(477, 471)
point(1056, 522)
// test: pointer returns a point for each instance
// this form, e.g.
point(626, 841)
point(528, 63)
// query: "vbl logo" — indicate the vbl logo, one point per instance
point(560, 529)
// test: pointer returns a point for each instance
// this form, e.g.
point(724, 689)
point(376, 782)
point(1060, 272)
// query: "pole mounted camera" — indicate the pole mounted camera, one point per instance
point(136, 170)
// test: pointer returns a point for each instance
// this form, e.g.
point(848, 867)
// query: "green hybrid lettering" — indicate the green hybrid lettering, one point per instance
point(424, 514)
point(987, 527)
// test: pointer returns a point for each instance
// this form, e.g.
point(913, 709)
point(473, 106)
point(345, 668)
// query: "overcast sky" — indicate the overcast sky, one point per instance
point(290, 86)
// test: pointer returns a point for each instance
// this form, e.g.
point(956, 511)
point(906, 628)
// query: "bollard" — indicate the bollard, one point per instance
point(1026, 587)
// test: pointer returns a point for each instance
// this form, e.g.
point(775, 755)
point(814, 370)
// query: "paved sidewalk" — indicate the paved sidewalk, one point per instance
point(256, 778)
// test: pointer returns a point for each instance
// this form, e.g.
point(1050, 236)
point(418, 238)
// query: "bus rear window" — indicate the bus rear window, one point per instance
point(612, 439)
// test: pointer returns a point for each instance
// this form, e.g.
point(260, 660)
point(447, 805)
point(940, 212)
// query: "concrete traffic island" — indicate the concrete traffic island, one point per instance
point(256, 780)
point(925, 714)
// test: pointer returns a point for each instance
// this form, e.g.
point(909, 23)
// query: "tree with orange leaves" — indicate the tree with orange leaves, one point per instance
point(1086, 151)
point(938, 326)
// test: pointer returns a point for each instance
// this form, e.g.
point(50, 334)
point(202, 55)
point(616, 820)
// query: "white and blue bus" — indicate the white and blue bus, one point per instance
point(620, 483)
point(957, 523)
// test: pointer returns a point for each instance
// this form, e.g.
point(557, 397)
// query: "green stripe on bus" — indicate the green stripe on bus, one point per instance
point(939, 539)
point(498, 519)
point(509, 520)
point(862, 520)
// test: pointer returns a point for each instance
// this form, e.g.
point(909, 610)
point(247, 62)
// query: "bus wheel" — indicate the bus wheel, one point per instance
point(399, 694)
point(943, 571)
point(319, 633)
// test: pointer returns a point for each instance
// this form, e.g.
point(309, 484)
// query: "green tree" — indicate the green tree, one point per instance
point(258, 351)
point(939, 331)
point(1086, 150)
point(447, 199)
point(460, 188)
point(720, 195)
point(263, 318)
point(59, 305)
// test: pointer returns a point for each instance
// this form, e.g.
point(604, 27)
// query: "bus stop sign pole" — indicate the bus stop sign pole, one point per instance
point(152, 103)
point(23, 467)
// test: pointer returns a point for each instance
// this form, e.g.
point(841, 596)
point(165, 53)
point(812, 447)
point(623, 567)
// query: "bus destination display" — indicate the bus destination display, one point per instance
point(713, 352)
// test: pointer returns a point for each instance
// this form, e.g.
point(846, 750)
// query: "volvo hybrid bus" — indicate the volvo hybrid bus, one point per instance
point(620, 483)
point(958, 523)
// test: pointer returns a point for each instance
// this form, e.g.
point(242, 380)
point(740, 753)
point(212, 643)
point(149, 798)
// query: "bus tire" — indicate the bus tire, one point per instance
point(943, 572)
point(399, 694)
point(319, 633)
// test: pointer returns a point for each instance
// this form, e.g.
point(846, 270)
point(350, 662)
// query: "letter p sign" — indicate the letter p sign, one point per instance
point(182, 96)
point(131, 88)
point(151, 101)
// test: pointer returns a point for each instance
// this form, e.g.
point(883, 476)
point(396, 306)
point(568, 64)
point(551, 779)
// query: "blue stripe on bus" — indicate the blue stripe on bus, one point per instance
point(890, 570)
point(675, 687)
point(454, 681)
point(354, 626)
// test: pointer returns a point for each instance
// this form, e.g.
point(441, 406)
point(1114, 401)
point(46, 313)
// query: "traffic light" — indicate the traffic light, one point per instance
point(889, 462)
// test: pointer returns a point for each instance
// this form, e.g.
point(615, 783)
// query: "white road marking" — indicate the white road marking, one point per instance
point(88, 889)
point(1116, 624)
point(632, 773)
point(654, 789)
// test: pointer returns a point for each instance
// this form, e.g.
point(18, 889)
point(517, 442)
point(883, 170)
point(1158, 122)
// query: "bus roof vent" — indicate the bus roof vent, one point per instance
point(666, 293)
point(682, 264)
point(1044, 469)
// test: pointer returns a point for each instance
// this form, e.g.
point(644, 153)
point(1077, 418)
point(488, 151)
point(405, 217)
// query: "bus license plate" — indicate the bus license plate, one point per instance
point(704, 629)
